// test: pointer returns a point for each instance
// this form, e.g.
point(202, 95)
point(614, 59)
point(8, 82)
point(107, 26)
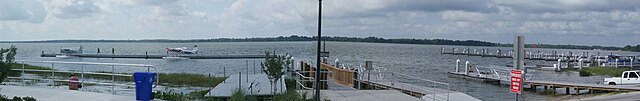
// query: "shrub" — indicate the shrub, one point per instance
point(584, 72)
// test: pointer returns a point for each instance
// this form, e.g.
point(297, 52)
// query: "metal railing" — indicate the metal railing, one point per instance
point(301, 78)
point(501, 73)
point(82, 72)
point(434, 87)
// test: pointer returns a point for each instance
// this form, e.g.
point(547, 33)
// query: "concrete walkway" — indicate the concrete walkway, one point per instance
point(47, 94)
point(631, 96)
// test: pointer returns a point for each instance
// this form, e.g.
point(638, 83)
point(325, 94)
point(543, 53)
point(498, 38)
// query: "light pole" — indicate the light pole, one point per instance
point(317, 95)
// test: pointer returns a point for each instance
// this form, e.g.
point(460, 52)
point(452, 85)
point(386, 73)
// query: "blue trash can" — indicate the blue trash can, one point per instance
point(144, 82)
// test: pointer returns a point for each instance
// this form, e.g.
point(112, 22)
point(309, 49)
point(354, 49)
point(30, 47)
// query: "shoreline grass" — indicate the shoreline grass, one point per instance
point(598, 70)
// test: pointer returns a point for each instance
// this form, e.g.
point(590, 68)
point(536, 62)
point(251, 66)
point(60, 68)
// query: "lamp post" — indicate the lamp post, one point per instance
point(317, 84)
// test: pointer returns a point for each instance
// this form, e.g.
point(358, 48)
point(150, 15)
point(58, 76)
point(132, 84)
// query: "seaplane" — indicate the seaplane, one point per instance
point(184, 50)
point(67, 52)
point(174, 53)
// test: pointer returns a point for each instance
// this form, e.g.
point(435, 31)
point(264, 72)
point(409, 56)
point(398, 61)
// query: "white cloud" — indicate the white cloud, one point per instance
point(71, 8)
point(463, 16)
point(19, 10)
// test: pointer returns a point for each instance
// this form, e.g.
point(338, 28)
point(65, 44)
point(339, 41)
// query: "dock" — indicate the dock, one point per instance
point(361, 86)
point(530, 55)
point(149, 56)
point(533, 84)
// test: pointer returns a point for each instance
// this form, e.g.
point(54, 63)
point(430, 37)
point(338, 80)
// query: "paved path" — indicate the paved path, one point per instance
point(333, 85)
point(47, 94)
point(631, 96)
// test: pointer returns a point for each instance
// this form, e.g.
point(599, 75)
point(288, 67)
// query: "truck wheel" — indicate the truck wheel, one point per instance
point(612, 83)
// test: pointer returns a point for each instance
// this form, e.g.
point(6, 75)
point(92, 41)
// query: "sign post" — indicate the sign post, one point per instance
point(518, 64)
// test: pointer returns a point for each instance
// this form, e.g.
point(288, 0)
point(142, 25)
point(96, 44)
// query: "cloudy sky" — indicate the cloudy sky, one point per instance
point(582, 22)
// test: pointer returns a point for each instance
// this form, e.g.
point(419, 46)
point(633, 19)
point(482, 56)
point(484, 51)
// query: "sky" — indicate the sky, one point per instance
point(579, 22)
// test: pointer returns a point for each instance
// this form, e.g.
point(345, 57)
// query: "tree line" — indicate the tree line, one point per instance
point(631, 48)
point(351, 39)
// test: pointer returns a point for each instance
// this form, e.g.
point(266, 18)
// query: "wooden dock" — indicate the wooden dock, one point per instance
point(148, 56)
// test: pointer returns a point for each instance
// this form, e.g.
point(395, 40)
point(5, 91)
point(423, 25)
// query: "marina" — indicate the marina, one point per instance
point(572, 58)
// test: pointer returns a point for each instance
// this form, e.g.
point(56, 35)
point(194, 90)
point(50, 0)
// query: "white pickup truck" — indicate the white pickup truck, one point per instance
point(628, 77)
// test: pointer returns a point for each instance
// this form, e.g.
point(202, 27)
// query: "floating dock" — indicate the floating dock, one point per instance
point(552, 56)
point(551, 84)
point(147, 56)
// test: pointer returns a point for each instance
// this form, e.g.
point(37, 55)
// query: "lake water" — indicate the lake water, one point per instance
point(424, 61)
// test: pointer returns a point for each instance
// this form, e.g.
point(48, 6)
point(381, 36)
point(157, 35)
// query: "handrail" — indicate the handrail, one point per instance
point(420, 78)
point(494, 71)
point(87, 63)
point(434, 84)
point(298, 82)
point(112, 73)
point(478, 71)
point(92, 73)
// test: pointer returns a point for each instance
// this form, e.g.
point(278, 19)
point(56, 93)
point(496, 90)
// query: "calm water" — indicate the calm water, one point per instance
point(424, 61)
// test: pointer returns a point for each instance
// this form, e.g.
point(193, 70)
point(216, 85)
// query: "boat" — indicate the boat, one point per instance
point(175, 58)
point(64, 56)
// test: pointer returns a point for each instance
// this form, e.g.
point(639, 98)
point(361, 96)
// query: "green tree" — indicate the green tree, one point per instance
point(7, 56)
point(273, 66)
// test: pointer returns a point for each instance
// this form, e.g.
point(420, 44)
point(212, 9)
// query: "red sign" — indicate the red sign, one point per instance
point(516, 81)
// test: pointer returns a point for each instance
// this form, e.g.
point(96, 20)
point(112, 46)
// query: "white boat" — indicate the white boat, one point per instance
point(64, 56)
point(175, 58)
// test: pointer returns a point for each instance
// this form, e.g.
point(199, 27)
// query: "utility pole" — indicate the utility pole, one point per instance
point(317, 77)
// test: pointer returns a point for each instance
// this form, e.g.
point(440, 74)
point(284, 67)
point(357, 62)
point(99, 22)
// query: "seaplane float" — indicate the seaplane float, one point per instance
point(174, 53)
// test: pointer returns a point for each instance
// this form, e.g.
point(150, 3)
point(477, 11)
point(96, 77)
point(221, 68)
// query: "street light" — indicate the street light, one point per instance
point(317, 77)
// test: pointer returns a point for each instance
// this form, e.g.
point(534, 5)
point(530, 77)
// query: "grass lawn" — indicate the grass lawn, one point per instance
point(597, 70)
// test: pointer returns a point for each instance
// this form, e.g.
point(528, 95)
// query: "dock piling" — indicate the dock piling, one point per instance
point(559, 65)
point(466, 68)
point(580, 64)
point(457, 65)
point(616, 63)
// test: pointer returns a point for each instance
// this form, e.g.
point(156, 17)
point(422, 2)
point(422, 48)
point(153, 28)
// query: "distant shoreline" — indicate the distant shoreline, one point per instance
point(342, 39)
